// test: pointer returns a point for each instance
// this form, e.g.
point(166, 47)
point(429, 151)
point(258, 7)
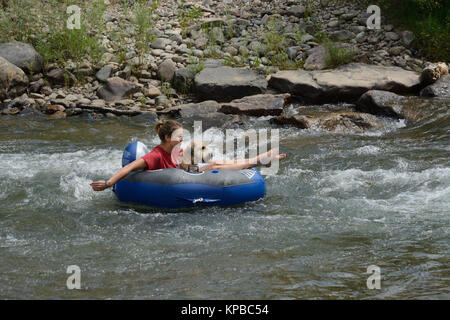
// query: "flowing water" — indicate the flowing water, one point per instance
point(338, 204)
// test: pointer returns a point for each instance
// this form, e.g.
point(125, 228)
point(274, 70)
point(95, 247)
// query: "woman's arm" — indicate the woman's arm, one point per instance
point(135, 165)
point(240, 165)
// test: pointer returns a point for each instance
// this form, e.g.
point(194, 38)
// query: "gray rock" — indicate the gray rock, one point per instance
point(341, 122)
point(166, 70)
point(407, 37)
point(160, 43)
point(333, 23)
point(116, 88)
point(109, 17)
point(392, 36)
point(257, 105)
point(345, 83)
point(36, 85)
point(258, 47)
point(349, 16)
point(212, 23)
point(362, 20)
point(22, 55)
point(411, 108)
point(382, 103)
point(147, 116)
point(395, 51)
point(317, 56)
point(342, 35)
point(306, 37)
point(292, 52)
point(206, 111)
point(441, 88)
point(200, 43)
point(212, 63)
point(183, 80)
point(243, 50)
point(104, 73)
point(357, 29)
point(61, 77)
point(163, 101)
point(361, 37)
point(226, 83)
point(297, 11)
point(316, 59)
point(231, 50)
point(198, 53)
point(217, 34)
point(176, 37)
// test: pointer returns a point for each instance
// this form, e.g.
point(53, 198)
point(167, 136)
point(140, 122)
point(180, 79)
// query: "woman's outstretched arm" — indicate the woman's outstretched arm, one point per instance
point(240, 164)
point(135, 165)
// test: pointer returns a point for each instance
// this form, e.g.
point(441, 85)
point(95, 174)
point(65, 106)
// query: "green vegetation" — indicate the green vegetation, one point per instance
point(336, 56)
point(429, 20)
point(43, 24)
point(187, 17)
point(275, 44)
point(144, 24)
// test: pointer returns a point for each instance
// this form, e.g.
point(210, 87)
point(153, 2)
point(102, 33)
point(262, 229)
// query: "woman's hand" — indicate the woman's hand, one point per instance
point(99, 185)
point(135, 165)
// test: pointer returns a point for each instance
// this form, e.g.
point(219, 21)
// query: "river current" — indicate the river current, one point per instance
point(338, 204)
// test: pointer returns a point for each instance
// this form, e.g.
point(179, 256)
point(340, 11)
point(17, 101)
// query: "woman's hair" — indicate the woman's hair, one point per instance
point(164, 128)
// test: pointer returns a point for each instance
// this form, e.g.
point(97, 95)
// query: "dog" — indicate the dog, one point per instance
point(196, 152)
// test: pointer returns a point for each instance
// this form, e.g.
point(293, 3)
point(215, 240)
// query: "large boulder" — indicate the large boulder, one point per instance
point(341, 122)
point(22, 55)
point(13, 81)
point(225, 83)
point(207, 112)
point(257, 105)
point(183, 80)
point(410, 108)
point(345, 83)
point(440, 88)
point(385, 103)
point(116, 88)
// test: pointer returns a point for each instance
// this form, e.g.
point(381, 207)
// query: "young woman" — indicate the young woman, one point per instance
point(166, 155)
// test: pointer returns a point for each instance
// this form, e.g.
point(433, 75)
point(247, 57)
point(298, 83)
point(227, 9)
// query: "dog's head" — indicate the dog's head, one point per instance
point(196, 152)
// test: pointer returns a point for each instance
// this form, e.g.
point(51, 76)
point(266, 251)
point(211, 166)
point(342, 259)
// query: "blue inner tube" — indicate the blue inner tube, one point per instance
point(176, 188)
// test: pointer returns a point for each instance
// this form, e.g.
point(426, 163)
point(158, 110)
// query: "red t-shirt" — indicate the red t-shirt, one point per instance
point(159, 158)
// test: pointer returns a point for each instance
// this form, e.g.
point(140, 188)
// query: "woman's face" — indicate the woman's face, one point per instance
point(176, 137)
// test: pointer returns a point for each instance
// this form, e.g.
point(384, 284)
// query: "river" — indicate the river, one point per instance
point(338, 204)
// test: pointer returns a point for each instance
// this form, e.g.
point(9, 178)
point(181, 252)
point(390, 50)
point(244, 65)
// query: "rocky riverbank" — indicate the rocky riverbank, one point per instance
point(224, 60)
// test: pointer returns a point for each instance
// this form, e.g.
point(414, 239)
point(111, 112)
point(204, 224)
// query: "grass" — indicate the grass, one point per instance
point(275, 44)
point(336, 55)
point(43, 25)
point(144, 24)
point(188, 17)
